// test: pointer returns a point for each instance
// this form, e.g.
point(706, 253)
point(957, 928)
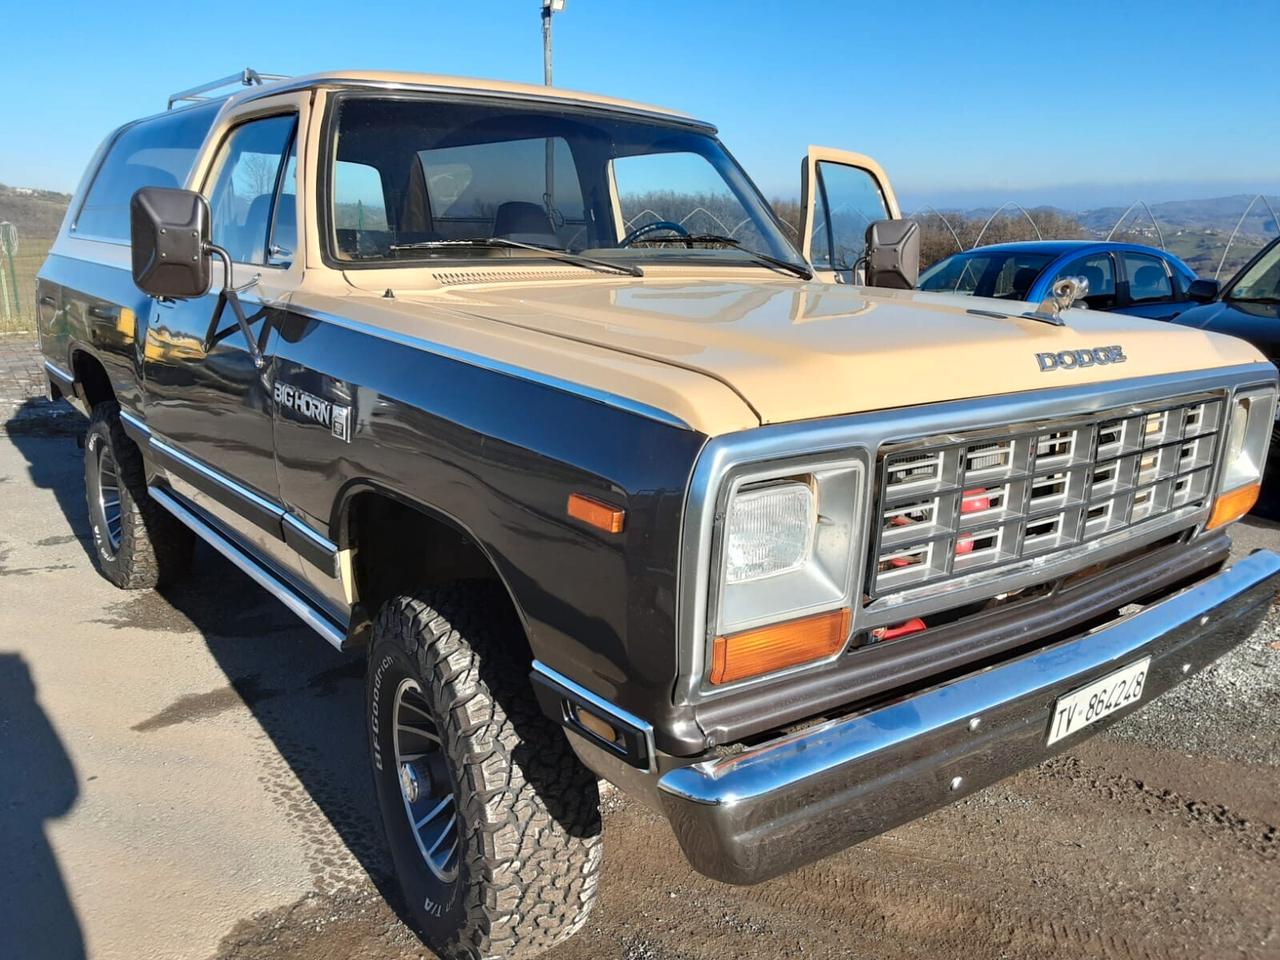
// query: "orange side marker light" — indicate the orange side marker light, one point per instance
point(602, 516)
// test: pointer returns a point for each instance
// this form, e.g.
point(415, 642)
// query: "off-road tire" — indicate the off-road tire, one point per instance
point(154, 548)
point(528, 811)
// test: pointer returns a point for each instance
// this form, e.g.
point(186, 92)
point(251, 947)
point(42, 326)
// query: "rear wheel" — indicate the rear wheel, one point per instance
point(137, 542)
point(493, 823)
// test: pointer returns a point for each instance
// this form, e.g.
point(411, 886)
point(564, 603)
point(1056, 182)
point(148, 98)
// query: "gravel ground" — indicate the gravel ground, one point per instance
point(182, 775)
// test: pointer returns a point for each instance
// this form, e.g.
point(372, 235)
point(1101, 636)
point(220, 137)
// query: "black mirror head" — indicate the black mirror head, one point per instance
point(169, 233)
point(1203, 291)
point(893, 254)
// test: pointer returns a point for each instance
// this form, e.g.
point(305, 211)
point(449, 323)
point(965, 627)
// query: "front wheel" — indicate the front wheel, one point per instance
point(493, 823)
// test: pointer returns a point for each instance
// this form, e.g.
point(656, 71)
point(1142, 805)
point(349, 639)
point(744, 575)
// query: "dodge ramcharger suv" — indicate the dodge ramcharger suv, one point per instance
point(530, 398)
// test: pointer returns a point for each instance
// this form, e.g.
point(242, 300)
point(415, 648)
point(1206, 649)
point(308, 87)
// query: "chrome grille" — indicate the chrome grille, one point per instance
point(956, 505)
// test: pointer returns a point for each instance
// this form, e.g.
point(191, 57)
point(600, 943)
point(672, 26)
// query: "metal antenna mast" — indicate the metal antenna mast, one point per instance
point(549, 9)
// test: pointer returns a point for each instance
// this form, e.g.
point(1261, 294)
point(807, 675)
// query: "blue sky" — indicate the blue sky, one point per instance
point(1078, 103)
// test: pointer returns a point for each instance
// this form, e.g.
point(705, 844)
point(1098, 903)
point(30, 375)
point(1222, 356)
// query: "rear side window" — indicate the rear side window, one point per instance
point(1148, 280)
point(151, 153)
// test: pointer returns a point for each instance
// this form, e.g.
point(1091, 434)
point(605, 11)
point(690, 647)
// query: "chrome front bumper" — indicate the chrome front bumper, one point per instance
point(786, 803)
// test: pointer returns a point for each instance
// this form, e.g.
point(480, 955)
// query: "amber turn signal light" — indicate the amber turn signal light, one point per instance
point(1233, 505)
point(603, 516)
point(776, 647)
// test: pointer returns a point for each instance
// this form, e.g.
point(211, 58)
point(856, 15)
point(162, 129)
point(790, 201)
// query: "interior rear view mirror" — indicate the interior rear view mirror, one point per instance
point(893, 254)
point(169, 233)
point(1202, 291)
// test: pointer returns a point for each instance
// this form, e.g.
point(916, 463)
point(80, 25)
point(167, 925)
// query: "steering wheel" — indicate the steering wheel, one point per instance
point(639, 233)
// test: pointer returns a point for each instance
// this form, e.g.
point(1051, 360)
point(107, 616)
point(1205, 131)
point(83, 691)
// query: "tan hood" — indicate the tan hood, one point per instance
point(795, 351)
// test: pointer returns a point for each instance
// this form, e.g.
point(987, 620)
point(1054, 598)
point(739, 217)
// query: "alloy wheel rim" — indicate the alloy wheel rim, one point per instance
point(425, 788)
point(110, 514)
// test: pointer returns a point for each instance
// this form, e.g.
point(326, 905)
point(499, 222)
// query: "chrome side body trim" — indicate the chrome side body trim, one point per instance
point(309, 545)
point(271, 516)
point(297, 525)
point(137, 426)
point(861, 436)
point(497, 366)
point(221, 479)
point(66, 380)
point(255, 571)
point(601, 706)
point(775, 806)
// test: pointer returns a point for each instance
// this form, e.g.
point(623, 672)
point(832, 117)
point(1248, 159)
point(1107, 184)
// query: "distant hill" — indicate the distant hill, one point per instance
point(1216, 213)
point(36, 213)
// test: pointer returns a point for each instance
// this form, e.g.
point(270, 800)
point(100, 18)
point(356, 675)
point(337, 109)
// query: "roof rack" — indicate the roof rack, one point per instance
point(247, 77)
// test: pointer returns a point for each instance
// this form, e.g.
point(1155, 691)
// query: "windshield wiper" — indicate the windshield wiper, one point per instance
point(1254, 299)
point(502, 243)
point(797, 269)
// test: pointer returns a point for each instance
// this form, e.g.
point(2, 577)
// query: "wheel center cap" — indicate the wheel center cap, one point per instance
point(410, 786)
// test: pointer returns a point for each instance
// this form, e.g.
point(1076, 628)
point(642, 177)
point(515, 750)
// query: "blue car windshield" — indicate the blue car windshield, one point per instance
point(1261, 282)
point(1003, 274)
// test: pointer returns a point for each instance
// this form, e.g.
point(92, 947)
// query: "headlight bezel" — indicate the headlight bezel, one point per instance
point(1260, 403)
point(840, 492)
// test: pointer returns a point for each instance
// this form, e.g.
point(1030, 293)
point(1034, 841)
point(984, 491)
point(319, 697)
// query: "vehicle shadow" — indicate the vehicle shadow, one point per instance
point(308, 699)
point(45, 434)
point(37, 783)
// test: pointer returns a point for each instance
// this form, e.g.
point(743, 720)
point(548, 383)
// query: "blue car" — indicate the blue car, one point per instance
point(1123, 277)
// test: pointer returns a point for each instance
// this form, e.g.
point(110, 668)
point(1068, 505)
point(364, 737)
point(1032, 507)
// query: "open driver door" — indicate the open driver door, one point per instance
point(841, 194)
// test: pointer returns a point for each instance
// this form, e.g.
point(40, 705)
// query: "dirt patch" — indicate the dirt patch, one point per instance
point(1073, 859)
point(200, 706)
point(234, 608)
point(324, 928)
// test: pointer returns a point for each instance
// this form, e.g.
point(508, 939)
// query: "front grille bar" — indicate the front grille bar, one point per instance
point(954, 506)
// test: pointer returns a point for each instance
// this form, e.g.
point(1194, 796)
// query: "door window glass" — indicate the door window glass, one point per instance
point(1099, 270)
point(848, 200)
point(151, 153)
point(244, 186)
point(284, 223)
point(1148, 280)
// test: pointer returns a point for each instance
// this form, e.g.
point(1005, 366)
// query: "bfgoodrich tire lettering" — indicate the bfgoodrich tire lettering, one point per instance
point(137, 543)
point(528, 813)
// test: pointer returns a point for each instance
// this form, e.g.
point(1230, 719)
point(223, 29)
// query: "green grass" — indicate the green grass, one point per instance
point(31, 255)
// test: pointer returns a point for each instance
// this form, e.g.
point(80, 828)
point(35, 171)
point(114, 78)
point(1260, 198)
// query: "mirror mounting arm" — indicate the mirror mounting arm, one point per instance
point(231, 294)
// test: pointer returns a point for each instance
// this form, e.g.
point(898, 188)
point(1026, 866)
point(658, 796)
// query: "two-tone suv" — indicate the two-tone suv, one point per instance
point(529, 396)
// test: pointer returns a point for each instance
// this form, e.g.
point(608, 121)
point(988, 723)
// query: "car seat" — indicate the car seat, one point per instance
point(525, 223)
point(1149, 283)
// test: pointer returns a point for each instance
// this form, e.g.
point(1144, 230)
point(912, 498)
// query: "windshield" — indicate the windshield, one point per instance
point(1005, 275)
point(408, 175)
point(1262, 280)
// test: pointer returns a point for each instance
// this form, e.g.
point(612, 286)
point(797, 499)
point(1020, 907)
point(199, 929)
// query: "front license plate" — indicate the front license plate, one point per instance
point(1101, 698)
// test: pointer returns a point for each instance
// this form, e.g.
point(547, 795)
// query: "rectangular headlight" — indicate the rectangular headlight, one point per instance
point(769, 531)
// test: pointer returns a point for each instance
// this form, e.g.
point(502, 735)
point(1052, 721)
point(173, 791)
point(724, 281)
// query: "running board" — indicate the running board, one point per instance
point(312, 617)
